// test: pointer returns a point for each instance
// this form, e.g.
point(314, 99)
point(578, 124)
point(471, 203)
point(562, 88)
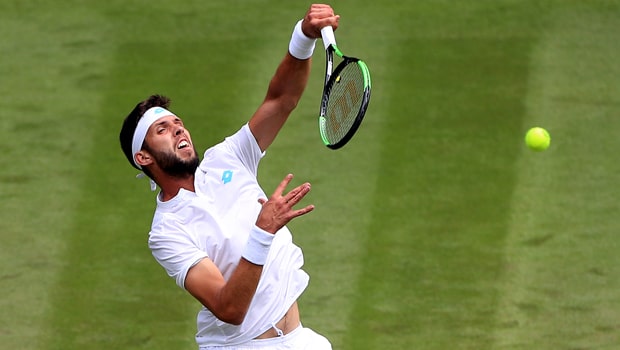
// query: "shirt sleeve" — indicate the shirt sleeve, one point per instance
point(174, 249)
point(244, 145)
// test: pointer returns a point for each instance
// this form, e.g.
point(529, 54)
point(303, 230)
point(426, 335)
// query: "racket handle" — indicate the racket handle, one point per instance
point(327, 33)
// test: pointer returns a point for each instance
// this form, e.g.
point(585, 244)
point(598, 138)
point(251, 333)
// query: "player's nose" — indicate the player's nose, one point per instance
point(179, 130)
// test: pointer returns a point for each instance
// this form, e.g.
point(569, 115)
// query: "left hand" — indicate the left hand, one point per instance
point(278, 210)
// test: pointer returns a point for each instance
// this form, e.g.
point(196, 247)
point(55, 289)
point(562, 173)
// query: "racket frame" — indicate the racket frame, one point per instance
point(330, 79)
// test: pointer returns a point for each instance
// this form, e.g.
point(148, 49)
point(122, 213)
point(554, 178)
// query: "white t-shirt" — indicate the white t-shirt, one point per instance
point(215, 222)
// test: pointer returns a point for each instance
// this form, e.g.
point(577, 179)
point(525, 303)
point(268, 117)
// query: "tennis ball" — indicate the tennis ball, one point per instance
point(537, 139)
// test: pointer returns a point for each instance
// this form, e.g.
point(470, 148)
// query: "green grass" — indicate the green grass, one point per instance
point(435, 228)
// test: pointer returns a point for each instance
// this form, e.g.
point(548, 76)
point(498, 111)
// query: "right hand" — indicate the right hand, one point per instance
point(278, 210)
point(318, 17)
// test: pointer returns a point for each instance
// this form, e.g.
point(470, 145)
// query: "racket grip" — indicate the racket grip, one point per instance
point(327, 33)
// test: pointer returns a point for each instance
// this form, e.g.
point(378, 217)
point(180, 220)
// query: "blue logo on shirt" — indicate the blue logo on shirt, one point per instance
point(227, 176)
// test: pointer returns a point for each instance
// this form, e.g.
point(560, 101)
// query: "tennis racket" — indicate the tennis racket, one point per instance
point(346, 94)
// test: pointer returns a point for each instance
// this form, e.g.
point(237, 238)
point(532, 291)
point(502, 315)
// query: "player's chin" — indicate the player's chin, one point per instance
point(191, 159)
point(183, 167)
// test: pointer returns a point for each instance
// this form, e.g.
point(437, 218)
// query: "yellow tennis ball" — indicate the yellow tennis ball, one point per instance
point(537, 139)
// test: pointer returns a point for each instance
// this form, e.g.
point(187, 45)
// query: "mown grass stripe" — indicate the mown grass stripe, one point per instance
point(432, 252)
point(44, 85)
point(561, 250)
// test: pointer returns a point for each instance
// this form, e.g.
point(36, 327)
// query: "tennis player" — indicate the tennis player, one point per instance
point(214, 229)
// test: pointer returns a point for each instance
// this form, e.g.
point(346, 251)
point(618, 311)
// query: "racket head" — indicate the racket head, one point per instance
point(345, 99)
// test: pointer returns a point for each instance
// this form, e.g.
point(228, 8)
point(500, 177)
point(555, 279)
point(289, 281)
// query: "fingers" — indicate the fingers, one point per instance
point(318, 17)
point(291, 198)
point(278, 210)
point(296, 194)
point(321, 11)
point(282, 186)
point(303, 211)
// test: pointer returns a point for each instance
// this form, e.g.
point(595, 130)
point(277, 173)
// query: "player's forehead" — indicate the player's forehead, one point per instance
point(166, 120)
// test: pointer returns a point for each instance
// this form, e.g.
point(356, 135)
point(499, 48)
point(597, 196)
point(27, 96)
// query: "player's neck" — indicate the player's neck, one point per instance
point(170, 187)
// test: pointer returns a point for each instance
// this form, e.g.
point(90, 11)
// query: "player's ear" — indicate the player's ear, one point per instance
point(143, 158)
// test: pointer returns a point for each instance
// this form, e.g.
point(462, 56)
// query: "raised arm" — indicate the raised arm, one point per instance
point(291, 77)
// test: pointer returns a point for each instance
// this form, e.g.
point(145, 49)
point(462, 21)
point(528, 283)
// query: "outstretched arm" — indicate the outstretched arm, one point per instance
point(289, 81)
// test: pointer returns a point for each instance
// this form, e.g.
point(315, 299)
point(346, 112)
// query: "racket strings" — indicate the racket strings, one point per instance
point(345, 101)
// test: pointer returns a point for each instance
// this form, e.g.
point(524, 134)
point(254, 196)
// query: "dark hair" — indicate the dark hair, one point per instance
point(131, 122)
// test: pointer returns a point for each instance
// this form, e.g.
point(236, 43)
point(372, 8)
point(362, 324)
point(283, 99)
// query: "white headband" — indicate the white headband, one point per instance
point(148, 118)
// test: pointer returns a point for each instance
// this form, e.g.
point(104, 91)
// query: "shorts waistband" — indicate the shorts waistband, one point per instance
point(276, 340)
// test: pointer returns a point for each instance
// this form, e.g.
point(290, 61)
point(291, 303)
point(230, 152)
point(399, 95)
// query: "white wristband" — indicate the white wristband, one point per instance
point(257, 247)
point(301, 47)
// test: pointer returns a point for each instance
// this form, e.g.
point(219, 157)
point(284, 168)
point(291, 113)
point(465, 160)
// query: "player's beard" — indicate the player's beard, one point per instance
point(172, 165)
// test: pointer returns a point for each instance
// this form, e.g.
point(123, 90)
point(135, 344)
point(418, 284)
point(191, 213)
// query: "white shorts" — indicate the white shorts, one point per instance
point(299, 339)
